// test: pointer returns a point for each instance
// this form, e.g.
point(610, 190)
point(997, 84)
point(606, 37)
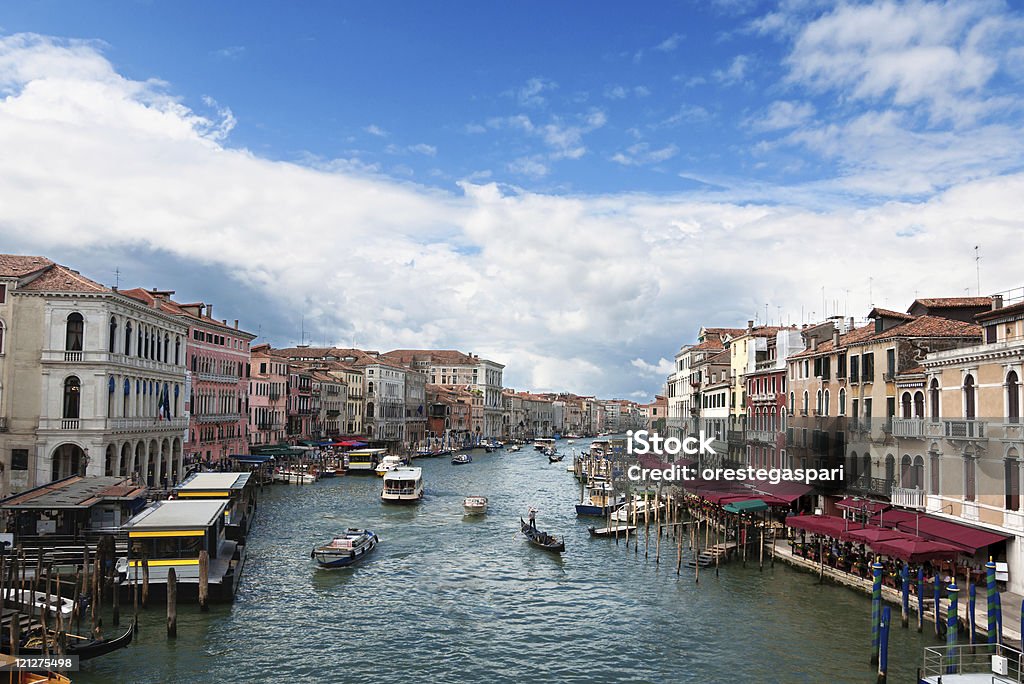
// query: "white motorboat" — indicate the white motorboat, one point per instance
point(387, 464)
point(625, 514)
point(474, 505)
point(32, 601)
point(294, 477)
point(404, 485)
point(345, 549)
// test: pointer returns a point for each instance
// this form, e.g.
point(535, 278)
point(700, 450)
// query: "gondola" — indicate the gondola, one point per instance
point(542, 539)
point(85, 649)
point(462, 459)
point(555, 459)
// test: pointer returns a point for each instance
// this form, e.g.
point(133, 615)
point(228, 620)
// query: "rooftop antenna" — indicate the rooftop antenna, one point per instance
point(302, 332)
point(117, 277)
point(977, 267)
point(871, 291)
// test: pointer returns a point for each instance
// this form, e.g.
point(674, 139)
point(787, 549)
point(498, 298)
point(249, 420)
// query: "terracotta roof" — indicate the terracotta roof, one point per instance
point(922, 326)
point(953, 302)
point(16, 266)
point(59, 278)
point(999, 313)
point(169, 306)
point(913, 370)
point(434, 356)
point(887, 313)
point(710, 344)
point(720, 357)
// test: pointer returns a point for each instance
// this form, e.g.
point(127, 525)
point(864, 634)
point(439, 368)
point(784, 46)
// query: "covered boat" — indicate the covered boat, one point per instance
point(461, 459)
point(404, 485)
point(474, 505)
point(345, 549)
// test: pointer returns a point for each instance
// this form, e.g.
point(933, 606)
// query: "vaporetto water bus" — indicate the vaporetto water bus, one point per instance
point(404, 485)
point(363, 461)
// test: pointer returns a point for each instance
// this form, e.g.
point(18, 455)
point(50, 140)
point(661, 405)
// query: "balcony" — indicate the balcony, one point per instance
point(122, 424)
point(218, 377)
point(963, 429)
point(70, 423)
point(62, 356)
point(736, 437)
point(769, 436)
point(908, 498)
point(910, 428)
point(872, 485)
point(217, 418)
point(73, 356)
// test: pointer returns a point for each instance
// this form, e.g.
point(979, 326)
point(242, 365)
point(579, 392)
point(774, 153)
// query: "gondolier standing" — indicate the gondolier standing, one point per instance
point(533, 517)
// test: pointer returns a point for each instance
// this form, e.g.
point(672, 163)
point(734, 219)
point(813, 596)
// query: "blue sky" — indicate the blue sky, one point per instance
point(570, 188)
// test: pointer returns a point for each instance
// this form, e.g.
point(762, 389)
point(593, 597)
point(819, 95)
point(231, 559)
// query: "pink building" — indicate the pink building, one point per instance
point(217, 383)
point(268, 396)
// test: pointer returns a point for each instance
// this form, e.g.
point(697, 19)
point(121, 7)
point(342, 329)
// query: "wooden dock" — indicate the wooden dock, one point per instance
point(717, 553)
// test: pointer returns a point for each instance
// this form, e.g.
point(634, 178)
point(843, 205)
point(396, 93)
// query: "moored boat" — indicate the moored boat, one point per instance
point(541, 443)
point(461, 459)
point(404, 485)
point(474, 505)
point(345, 549)
point(626, 513)
point(363, 460)
point(387, 464)
point(290, 476)
point(611, 531)
point(514, 447)
point(82, 647)
point(542, 540)
point(32, 601)
point(600, 499)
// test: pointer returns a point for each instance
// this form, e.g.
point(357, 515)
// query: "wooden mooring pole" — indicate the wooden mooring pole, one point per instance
point(204, 580)
point(172, 604)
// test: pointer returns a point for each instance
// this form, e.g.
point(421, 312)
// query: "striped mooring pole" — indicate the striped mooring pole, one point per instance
point(883, 658)
point(876, 604)
point(920, 599)
point(990, 591)
point(937, 594)
point(952, 625)
point(972, 603)
point(905, 614)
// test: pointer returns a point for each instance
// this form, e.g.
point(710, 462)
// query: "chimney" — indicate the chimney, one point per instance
point(750, 326)
point(814, 343)
point(209, 310)
point(236, 324)
point(849, 324)
point(997, 302)
point(835, 338)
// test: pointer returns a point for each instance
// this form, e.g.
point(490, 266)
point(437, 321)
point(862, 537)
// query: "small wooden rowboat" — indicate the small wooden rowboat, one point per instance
point(542, 539)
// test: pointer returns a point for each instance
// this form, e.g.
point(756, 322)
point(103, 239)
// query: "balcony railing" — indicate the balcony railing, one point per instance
point(872, 485)
point(908, 498)
point(963, 429)
point(218, 377)
point(762, 435)
point(75, 356)
point(137, 423)
point(61, 355)
point(217, 418)
point(69, 424)
point(908, 427)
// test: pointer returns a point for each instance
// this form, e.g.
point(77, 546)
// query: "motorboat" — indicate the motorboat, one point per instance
point(461, 459)
point(345, 549)
point(404, 485)
point(474, 505)
point(387, 464)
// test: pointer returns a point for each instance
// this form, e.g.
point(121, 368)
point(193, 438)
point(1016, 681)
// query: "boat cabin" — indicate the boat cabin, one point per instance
point(171, 534)
point(542, 443)
point(238, 488)
point(403, 485)
point(364, 460)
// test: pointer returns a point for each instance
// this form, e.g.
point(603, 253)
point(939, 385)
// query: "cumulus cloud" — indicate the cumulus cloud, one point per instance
point(661, 368)
point(570, 290)
point(641, 154)
point(532, 93)
point(374, 129)
point(735, 73)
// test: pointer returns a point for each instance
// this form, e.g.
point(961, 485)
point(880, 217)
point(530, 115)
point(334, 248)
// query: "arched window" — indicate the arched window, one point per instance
point(919, 404)
point(1011, 472)
point(825, 404)
point(2, 331)
point(1012, 396)
point(907, 472)
point(369, 409)
point(127, 338)
point(890, 470)
point(807, 399)
point(935, 459)
point(969, 400)
point(112, 344)
point(139, 349)
point(177, 351)
point(792, 402)
point(933, 395)
point(906, 404)
point(919, 472)
point(74, 332)
point(72, 398)
point(782, 419)
point(842, 401)
point(147, 349)
point(167, 348)
point(817, 402)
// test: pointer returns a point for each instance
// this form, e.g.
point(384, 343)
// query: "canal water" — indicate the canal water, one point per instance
point(448, 598)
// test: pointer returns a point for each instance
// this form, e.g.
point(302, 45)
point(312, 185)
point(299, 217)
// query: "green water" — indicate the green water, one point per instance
point(447, 598)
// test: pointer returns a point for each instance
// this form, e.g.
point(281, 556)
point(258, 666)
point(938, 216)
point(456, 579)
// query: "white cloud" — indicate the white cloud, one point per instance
point(532, 93)
point(423, 148)
point(232, 52)
point(615, 92)
point(661, 368)
point(101, 164)
point(735, 73)
point(641, 154)
point(532, 167)
point(374, 129)
point(564, 140)
point(782, 114)
point(670, 43)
